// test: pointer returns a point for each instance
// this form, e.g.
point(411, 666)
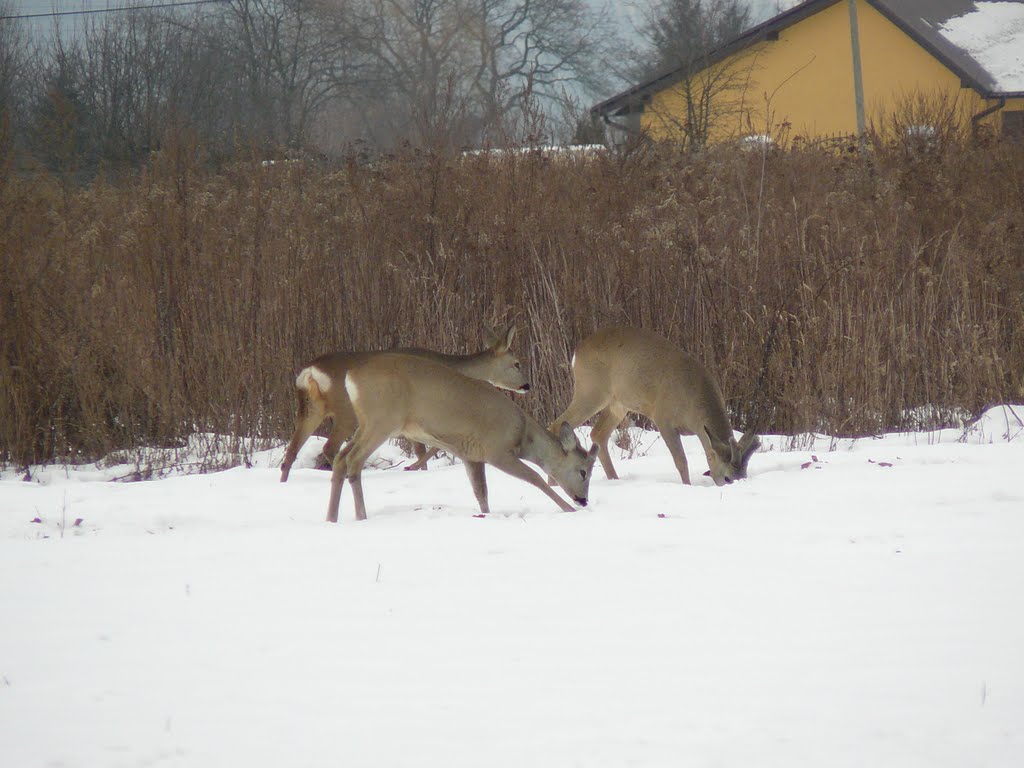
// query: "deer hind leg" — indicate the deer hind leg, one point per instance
point(343, 428)
point(355, 454)
point(512, 465)
point(338, 472)
point(311, 414)
point(422, 456)
point(585, 403)
point(675, 446)
point(606, 423)
point(349, 464)
point(477, 478)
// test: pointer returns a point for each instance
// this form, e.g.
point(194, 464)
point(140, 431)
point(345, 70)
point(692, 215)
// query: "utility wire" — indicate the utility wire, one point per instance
point(54, 14)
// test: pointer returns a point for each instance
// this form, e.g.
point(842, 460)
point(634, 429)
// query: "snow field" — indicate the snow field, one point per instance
point(831, 610)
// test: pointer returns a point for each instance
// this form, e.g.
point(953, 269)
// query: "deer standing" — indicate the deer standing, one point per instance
point(397, 394)
point(622, 369)
point(320, 389)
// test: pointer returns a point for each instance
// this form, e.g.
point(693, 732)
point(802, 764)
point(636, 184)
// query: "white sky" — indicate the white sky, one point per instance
point(761, 9)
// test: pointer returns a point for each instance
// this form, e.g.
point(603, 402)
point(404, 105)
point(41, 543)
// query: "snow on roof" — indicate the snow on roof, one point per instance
point(993, 35)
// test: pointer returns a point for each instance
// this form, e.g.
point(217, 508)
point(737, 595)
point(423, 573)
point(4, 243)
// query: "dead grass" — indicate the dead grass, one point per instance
point(834, 291)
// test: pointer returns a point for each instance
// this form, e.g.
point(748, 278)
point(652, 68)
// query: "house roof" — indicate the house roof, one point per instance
point(981, 42)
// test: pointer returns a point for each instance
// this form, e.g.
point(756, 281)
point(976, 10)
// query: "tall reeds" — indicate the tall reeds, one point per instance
point(829, 290)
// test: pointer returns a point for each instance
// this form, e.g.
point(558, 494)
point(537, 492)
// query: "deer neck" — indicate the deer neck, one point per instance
point(716, 419)
point(475, 366)
point(539, 446)
point(718, 425)
point(467, 365)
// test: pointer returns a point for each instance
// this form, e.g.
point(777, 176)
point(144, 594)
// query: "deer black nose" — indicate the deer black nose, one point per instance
point(525, 388)
point(580, 500)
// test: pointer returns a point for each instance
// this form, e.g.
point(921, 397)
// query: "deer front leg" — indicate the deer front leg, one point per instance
point(477, 479)
point(675, 446)
point(512, 465)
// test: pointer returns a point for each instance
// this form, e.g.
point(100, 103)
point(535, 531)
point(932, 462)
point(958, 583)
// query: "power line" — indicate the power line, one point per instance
point(54, 14)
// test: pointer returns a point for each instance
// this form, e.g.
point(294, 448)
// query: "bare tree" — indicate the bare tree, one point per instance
point(434, 72)
point(681, 33)
point(57, 131)
point(680, 37)
point(460, 68)
point(15, 72)
point(108, 93)
point(291, 61)
point(421, 59)
point(527, 48)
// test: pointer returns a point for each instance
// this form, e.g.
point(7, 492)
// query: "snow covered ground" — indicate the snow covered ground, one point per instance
point(855, 603)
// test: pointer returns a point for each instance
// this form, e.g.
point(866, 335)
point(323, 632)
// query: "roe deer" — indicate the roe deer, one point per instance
point(320, 389)
point(396, 394)
point(623, 369)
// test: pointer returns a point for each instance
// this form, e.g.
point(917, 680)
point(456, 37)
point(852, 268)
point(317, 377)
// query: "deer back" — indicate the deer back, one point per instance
point(428, 401)
point(651, 376)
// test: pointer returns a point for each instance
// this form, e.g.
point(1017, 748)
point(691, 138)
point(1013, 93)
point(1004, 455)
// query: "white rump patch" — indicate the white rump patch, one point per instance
point(312, 372)
point(351, 388)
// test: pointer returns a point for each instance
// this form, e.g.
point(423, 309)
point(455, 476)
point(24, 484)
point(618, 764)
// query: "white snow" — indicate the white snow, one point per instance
point(993, 35)
point(854, 603)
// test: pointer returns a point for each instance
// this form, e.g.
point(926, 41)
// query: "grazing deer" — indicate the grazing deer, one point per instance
point(320, 389)
point(396, 394)
point(629, 369)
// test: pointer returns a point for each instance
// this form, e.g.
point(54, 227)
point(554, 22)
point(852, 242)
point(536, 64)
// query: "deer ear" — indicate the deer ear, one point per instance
point(747, 445)
point(567, 437)
point(724, 450)
point(490, 337)
point(505, 344)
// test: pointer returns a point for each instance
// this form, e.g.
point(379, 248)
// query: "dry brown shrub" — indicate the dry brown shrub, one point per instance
point(828, 290)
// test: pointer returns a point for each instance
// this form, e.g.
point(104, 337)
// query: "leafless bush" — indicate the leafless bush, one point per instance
point(830, 291)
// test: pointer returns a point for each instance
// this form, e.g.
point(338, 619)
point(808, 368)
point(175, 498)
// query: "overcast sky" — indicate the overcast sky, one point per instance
point(625, 11)
point(761, 9)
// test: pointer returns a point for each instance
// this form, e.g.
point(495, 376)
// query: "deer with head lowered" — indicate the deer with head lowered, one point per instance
point(623, 369)
point(400, 395)
point(320, 390)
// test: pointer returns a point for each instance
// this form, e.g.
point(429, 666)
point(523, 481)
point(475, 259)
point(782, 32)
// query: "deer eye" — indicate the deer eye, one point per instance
point(583, 474)
point(518, 366)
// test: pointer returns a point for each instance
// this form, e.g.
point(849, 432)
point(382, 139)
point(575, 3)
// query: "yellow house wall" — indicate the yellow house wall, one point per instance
point(805, 79)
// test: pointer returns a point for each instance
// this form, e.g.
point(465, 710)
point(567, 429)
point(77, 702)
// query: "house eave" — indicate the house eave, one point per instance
point(638, 95)
point(982, 88)
point(642, 92)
